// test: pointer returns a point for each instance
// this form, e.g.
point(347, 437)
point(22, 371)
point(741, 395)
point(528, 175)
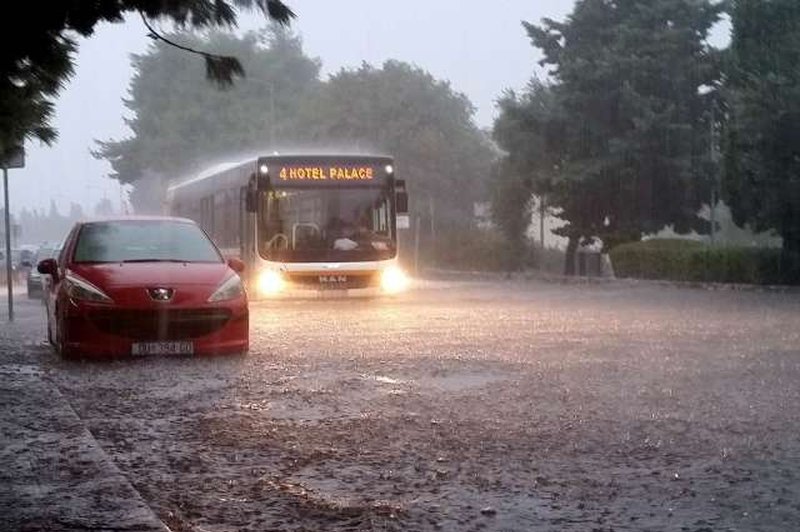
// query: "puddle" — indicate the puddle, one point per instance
point(384, 380)
point(460, 381)
point(366, 487)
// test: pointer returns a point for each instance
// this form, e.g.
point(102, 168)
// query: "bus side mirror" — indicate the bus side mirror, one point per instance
point(402, 202)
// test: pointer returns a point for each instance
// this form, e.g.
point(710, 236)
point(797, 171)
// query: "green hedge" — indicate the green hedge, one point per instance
point(687, 260)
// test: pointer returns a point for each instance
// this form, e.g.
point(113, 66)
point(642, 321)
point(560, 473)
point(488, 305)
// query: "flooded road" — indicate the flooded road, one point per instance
point(469, 406)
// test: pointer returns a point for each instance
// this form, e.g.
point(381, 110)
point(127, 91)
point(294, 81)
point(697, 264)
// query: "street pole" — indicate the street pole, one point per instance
point(9, 280)
point(712, 156)
point(416, 246)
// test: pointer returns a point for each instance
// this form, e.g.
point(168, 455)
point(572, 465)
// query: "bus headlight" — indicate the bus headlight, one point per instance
point(394, 280)
point(270, 283)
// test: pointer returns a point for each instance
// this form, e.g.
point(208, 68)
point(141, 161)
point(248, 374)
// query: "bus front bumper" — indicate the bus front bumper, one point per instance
point(272, 284)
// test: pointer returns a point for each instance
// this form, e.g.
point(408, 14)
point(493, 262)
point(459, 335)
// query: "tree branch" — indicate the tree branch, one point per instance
point(219, 68)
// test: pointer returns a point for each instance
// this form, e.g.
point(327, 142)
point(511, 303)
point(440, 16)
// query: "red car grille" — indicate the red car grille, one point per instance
point(167, 324)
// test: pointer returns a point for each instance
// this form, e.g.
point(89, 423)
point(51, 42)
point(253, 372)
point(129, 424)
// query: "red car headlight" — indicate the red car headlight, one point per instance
point(82, 290)
point(231, 288)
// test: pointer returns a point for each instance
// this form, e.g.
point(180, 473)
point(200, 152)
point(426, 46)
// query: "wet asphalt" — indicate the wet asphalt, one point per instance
point(496, 405)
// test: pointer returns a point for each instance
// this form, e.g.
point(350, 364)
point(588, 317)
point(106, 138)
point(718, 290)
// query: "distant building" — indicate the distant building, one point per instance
point(482, 214)
point(545, 224)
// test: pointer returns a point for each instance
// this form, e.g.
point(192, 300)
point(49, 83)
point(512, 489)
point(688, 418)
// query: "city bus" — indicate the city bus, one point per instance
point(303, 223)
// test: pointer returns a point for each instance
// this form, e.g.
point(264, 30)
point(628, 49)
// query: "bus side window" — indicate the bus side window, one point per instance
point(244, 208)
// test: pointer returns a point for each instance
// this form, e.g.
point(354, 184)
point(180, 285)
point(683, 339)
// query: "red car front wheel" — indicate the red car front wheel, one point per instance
point(61, 345)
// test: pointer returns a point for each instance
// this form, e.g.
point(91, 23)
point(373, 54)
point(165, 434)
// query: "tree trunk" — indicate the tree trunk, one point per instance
point(569, 260)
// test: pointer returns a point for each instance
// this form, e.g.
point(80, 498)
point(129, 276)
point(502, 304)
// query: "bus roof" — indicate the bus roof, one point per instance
point(225, 166)
point(209, 172)
point(326, 156)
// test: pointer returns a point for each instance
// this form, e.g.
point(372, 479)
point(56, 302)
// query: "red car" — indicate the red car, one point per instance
point(144, 286)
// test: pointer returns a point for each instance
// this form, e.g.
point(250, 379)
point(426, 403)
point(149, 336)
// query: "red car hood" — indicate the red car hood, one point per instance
point(150, 274)
point(125, 282)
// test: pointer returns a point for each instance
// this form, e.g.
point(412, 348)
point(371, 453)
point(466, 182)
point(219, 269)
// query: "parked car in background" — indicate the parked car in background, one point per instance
point(24, 262)
point(144, 286)
point(21, 262)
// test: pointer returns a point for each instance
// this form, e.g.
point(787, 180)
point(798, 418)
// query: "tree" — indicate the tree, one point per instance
point(529, 129)
point(181, 126)
point(38, 45)
point(762, 155)
point(511, 210)
point(634, 130)
point(404, 111)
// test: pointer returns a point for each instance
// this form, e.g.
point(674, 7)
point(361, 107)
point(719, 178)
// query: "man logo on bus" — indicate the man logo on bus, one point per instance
point(332, 279)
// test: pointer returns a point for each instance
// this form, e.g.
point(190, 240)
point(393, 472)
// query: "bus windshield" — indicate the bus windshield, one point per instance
point(330, 224)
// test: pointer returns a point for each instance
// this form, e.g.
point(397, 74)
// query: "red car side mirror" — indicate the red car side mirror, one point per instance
point(236, 264)
point(48, 267)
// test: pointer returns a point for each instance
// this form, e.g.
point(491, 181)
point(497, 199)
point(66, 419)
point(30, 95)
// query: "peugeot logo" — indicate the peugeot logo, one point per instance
point(161, 294)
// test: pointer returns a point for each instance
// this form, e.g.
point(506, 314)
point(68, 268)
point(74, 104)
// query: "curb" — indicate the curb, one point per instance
point(56, 475)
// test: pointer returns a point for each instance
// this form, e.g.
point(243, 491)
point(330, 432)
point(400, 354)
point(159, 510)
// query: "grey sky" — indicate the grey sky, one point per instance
point(454, 40)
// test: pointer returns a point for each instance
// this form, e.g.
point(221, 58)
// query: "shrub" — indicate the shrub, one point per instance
point(687, 260)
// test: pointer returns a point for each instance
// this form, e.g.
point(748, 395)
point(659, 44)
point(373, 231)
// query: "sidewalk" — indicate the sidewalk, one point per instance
point(53, 474)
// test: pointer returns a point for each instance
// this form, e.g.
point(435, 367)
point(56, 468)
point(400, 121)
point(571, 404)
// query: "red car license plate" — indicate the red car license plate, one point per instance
point(162, 348)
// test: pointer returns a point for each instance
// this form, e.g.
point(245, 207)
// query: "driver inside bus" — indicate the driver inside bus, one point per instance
point(341, 234)
point(348, 236)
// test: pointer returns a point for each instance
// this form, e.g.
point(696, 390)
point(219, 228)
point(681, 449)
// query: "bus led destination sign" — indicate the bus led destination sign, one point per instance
point(335, 173)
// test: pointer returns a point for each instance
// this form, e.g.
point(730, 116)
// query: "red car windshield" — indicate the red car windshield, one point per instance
point(144, 241)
